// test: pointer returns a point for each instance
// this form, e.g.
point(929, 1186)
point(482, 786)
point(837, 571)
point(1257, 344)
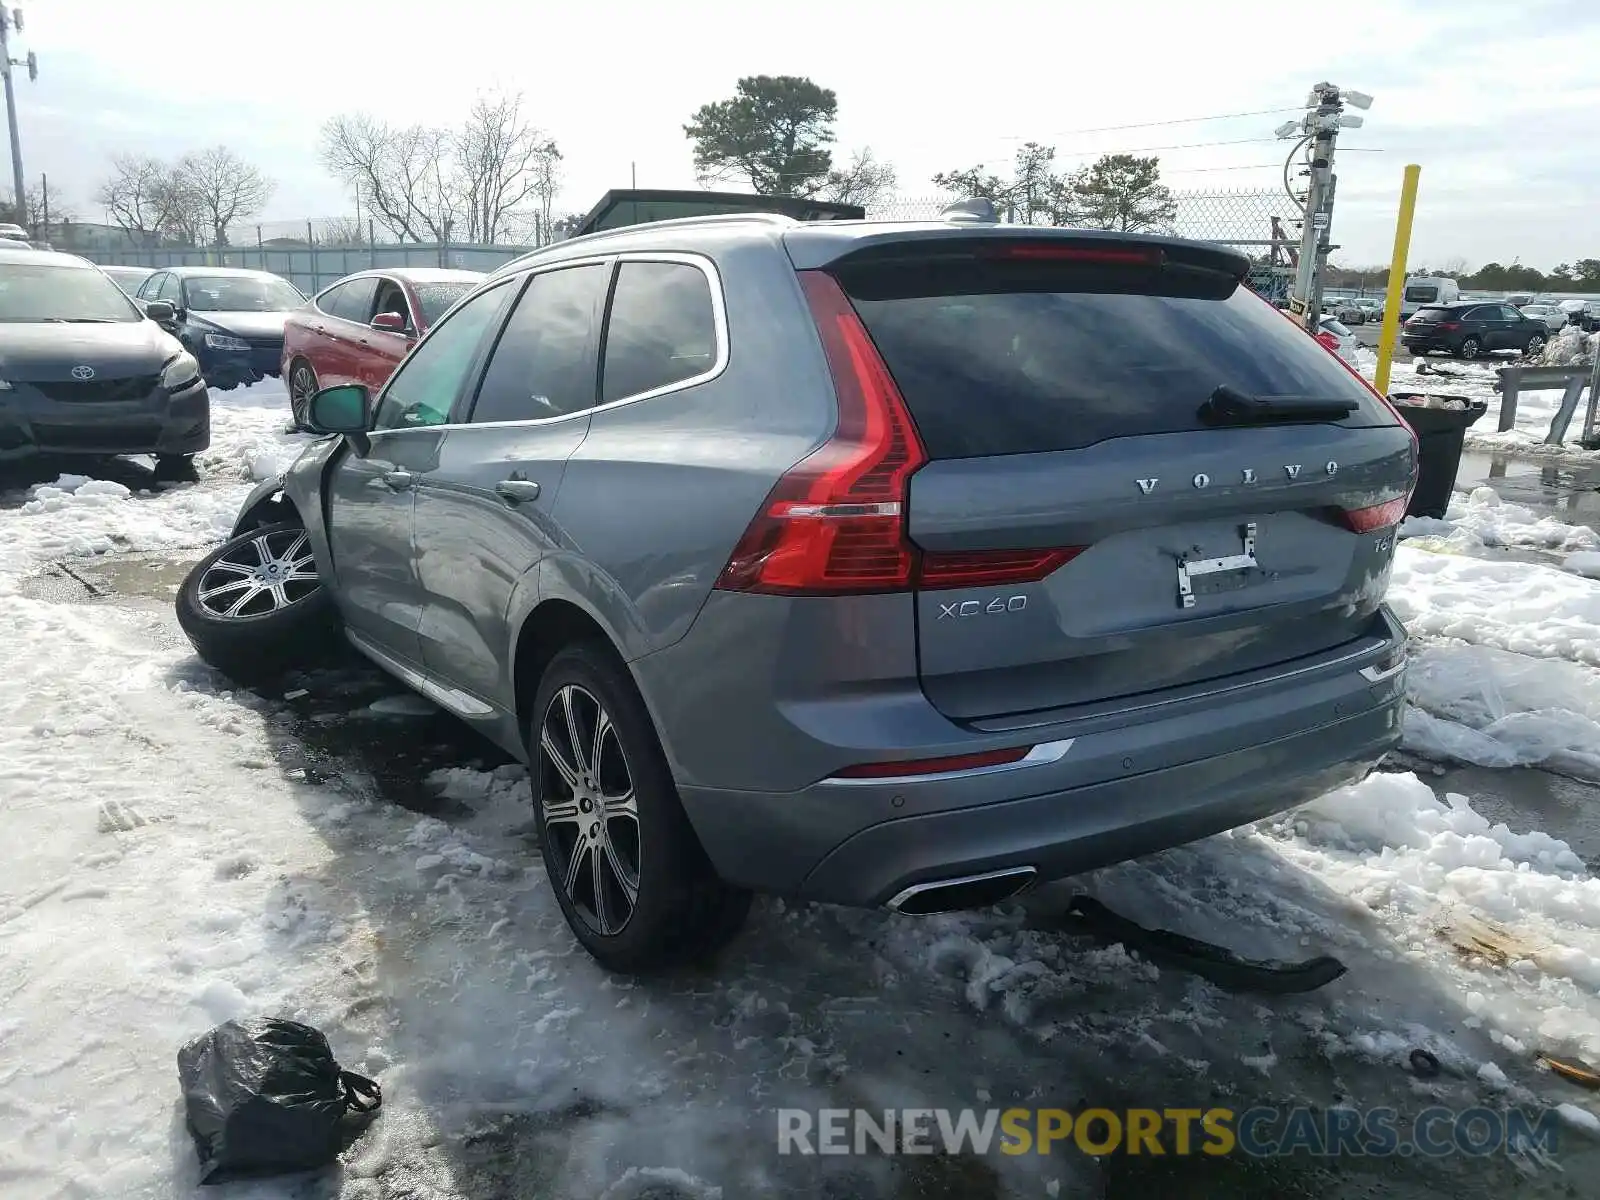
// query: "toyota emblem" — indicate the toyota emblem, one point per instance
point(83, 372)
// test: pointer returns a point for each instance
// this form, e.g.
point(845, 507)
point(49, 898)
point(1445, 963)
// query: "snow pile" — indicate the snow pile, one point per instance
point(1513, 920)
point(1570, 347)
point(1522, 607)
point(1495, 709)
point(1482, 520)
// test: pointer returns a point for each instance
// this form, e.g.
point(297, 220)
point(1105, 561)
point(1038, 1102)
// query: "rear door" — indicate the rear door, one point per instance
point(1060, 404)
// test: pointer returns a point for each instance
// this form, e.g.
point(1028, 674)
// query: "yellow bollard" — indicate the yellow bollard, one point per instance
point(1397, 277)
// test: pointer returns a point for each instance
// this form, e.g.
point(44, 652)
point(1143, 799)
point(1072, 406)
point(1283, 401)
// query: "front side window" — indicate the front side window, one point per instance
point(354, 301)
point(661, 330)
point(425, 386)
point(240, 293)
point(544, 363)
point(61, 294)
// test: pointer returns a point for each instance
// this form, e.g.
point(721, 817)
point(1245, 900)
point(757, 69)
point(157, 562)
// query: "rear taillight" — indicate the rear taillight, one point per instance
point(1328, 341)
point(984, 568)
point(835, 524)
point(1379, 516)
point(1448, 325)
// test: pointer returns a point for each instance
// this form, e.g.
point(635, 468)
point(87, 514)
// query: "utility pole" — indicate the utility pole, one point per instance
point(9, 19)
point(1319, 130)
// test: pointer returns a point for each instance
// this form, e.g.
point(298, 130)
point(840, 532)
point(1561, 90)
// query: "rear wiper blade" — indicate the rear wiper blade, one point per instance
point(1229, 406)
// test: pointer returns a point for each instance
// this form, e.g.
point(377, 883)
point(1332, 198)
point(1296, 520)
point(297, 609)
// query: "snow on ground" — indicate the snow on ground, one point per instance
point(186, 862)
point(1503, 673)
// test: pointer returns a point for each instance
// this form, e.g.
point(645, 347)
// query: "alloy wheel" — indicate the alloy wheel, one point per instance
point(591, 814)
point(302, 386)
point(264, 575)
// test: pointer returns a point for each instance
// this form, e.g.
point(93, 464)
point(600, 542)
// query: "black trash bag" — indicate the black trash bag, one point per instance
point(265, 1097)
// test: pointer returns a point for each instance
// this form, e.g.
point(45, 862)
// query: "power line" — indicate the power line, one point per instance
point(1262, 112)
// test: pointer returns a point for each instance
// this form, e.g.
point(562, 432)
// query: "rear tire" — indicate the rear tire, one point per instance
point(629, 874)
point(285, 617)
point(302, 386)
point(1470, 348)
point(1534, 347)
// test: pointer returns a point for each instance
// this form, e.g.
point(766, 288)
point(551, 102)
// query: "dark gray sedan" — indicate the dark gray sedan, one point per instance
point(84, 370)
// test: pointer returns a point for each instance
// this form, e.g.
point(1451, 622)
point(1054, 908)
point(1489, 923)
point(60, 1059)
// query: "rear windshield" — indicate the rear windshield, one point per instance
point(436, 298)
point(1002, 359)
point(1422, 294)
point(1431, 314)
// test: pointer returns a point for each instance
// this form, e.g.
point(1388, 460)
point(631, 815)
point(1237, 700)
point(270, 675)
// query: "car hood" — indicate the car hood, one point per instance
point(241, 324)
point(45, 352)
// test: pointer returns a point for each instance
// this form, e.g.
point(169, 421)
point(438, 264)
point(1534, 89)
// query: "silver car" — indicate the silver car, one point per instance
point(881, 564)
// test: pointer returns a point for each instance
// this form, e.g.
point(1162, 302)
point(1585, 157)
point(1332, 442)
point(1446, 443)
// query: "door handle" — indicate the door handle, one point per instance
point(515, 491)
point(399, 480)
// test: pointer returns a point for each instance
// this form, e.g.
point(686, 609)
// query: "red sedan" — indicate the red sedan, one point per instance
point(358, 330)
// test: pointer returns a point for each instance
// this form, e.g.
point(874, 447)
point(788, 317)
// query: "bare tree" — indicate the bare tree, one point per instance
point(866, 181)
point(222, 188)
point(501, 160)
point(343, 231)
point(137, 194)
point(401, 175)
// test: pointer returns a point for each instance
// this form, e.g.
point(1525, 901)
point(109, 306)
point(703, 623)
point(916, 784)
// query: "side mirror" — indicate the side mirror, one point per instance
point(159, 310)
point(389, 322)
point(345, 409)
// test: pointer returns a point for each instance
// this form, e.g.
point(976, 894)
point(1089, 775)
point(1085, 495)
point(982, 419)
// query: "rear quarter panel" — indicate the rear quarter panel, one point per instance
point(659, 493)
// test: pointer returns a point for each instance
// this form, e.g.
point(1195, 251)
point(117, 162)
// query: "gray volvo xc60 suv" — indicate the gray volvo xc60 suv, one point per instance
point(880, 564)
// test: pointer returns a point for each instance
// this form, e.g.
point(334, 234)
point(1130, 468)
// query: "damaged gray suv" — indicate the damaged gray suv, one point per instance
point(896, 565)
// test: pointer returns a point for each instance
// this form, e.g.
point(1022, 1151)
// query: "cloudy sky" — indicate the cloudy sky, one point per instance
point(1497, 101)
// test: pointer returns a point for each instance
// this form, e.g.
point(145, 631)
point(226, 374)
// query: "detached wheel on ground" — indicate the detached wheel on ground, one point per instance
point(302, 386)
point(623, 860)
point(255, 606)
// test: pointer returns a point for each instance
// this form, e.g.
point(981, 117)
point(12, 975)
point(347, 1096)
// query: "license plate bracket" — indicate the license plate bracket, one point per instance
point(1210, 576)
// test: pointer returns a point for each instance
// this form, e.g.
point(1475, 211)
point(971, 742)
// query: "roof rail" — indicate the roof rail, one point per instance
point(756, 218)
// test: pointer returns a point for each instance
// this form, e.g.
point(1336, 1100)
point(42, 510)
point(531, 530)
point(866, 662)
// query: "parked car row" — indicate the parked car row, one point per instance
point(701, 522)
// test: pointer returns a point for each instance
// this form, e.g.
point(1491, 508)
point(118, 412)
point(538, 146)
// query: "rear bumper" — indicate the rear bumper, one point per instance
point(160, 423)
point(1092, 794)
point(1423, 345)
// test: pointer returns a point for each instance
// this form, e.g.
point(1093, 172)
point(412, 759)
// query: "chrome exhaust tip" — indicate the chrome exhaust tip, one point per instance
point(965, 892)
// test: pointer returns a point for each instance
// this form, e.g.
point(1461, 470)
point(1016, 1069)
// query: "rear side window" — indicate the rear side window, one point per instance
point(350, 301)
point(544, 363)
point(1005, 359)
point(661, 329)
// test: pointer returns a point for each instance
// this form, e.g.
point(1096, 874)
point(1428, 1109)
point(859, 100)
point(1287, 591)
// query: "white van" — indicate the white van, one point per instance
point(1423, 290)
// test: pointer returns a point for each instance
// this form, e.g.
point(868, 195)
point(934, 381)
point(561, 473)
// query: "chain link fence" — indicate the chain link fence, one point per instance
point(1260, 223)
point(313, 253)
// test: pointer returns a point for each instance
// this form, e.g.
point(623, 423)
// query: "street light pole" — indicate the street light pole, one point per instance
point(1320, 126)
point(7, 17)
